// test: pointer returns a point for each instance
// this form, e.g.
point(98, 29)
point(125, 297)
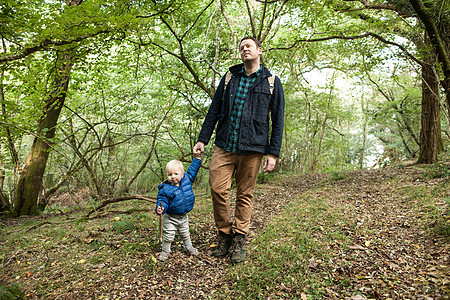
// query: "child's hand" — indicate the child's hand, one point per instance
point(159, 210)
point(199, 149)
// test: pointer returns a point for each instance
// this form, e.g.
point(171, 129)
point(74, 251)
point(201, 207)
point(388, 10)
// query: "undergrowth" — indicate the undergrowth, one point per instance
point(299, 254)
point(291, 258)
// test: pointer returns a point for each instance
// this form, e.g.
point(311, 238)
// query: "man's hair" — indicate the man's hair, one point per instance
point(258, 43)
point(174, 164)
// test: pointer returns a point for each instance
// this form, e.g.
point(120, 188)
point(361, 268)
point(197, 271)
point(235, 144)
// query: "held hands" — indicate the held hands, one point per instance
point(269, 163)
point(199, 149)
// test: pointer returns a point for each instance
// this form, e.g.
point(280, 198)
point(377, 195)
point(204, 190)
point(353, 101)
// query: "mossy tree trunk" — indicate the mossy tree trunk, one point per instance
point(30, 181)
point(430, 134)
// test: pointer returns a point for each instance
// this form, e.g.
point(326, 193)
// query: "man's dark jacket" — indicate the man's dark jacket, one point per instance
point(255, 134)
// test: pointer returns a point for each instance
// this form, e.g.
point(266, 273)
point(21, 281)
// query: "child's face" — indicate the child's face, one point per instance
point(174, 175)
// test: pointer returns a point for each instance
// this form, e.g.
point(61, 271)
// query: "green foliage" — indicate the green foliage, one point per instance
point(11, 292)
point(265, 177)
point(437, 170)
point(123, 224)
point(443, 223)
point(283, 254)
point(338, 175)
point(437, 217)
point(81, 220)
point(144, 73)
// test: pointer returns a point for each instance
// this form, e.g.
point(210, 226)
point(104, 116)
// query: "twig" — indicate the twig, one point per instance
point(119, 199)
point(38, 225)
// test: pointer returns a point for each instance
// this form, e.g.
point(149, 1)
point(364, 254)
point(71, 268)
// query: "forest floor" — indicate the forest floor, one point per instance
point(393, 242)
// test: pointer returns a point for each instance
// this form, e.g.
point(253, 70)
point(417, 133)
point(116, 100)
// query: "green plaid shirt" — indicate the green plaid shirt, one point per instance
point(235, 120)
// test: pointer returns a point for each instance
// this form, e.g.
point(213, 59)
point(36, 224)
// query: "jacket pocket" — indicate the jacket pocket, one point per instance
point(259, 134)
point(261, 104)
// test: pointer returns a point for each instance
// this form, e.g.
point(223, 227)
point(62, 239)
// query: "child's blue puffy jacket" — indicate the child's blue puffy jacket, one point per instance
point(178, 200)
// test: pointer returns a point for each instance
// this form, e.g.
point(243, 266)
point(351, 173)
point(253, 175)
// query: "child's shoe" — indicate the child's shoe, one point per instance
point(192, 251)
point(163, 256)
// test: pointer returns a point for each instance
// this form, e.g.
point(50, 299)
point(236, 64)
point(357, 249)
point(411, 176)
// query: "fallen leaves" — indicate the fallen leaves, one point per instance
point(356, 247)
point(388, 255)
point(99, 266)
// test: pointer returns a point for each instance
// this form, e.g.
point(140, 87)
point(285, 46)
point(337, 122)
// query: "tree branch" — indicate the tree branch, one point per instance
point(233, 34)
point(249, 11)
point(196, 19)
point(119, 199)
point(149, 155)
point(275, 16)
point(354, 37)
point(369, 5)
point(43, 46)
point(262, 21)
point(373, 6)
point(435, 38)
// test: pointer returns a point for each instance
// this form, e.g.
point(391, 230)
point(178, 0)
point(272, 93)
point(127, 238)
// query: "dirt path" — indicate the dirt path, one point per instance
point(392, 258)
point(391, 254)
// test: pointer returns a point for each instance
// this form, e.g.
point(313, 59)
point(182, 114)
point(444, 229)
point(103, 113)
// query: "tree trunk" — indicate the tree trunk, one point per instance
point(319, 147)
point(446, 85)
point(362, 153)
point(4, 203)
point(430, 134)
point(438, 39)
point(30, 181)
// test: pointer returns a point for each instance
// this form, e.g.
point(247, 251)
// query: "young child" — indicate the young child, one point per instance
point(177, 199)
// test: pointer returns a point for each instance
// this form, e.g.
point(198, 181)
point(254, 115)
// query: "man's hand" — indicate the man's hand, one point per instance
point(269, 163)
point(199, 149)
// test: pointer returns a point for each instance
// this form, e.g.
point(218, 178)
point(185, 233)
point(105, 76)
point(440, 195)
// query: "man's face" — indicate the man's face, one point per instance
point(249, 50)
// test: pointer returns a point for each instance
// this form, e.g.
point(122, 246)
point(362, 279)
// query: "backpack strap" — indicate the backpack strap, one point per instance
point(227, 79)
point(271, 80)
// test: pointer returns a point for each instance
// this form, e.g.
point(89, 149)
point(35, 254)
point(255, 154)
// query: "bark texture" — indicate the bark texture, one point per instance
point(30, 181)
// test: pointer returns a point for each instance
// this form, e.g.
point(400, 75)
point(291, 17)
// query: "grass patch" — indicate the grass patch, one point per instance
point(291, 258)
point(51, 256)
point(11, 292)
point(123, 224)
point(338, 175)
point(432, 205)
point(375, 234)
point(437, 170)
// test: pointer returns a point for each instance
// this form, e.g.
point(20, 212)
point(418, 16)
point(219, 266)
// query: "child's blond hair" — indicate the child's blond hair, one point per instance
point(174, 164)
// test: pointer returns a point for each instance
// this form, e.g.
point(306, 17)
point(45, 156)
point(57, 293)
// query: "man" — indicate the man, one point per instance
point(243, 109)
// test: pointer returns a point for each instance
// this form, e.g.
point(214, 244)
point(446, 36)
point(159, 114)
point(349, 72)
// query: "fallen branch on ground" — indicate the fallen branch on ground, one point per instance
point(38, 225)
point(120, 199)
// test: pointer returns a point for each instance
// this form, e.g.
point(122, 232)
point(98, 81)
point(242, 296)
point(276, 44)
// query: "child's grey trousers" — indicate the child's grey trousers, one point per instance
point(172, 224)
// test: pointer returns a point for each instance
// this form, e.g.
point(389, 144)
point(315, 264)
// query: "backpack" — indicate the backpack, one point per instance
point(270, 79)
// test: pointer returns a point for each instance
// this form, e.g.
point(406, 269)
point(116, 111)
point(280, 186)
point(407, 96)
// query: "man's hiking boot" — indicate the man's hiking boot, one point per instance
point(238, 252)
point(223, 244)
